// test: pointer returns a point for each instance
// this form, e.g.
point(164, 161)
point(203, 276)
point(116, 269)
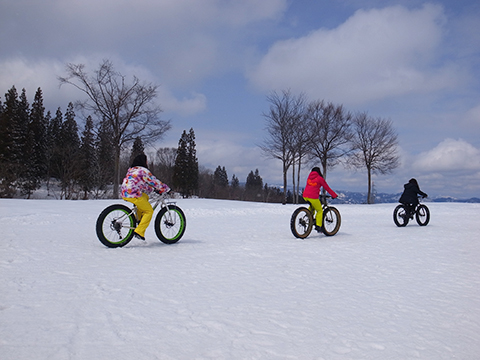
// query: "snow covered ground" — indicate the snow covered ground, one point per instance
point(239, 285)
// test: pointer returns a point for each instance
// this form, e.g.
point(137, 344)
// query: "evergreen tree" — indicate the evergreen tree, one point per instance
point(87, 159)
point(192, 162)
point(235, 188)
point(4, 134)
point(180, 173)
point(70, 144)
point(54, 146)
point(36, 147)
point(220, 183)
point(253, 186)
point(137, 149)
point(6, 175)
point(18, 147)
point(186, 174)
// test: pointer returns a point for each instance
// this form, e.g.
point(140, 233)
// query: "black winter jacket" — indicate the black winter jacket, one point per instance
point(410, 194)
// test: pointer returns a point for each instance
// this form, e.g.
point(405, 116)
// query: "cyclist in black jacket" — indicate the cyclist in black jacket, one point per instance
point(410, 194)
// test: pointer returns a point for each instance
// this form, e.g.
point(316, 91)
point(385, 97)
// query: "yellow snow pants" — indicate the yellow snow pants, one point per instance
point(144, 212)
point(316, 209)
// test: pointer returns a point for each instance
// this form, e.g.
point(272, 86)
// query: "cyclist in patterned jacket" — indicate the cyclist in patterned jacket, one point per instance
point(137, 184)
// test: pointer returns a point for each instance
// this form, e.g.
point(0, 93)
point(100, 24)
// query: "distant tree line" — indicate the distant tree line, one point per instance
point(300, 132)
point(179, 168)
point(39, 148)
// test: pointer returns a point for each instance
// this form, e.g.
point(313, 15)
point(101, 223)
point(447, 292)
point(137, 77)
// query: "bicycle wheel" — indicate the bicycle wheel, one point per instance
point(422, 215)
point(115, 226)
point(400, 216)
point(170, 224)
point(301, 223)
point(331, 221)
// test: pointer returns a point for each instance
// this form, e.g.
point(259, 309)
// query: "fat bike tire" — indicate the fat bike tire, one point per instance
point(400, 216)
point(331, 221)
point(115, 226)
point(422, 215)
point(170, 224)
point(301, 223)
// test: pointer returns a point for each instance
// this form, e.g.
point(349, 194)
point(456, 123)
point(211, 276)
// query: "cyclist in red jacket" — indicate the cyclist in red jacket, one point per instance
point(311, 194)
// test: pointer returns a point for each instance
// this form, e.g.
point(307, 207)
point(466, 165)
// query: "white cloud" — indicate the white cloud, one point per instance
point(449, 156)
point(44, 74)
point(185, 106)
point(375, 54)
point(183, 41)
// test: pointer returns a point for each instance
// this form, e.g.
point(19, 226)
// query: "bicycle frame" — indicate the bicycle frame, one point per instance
point(161, 200)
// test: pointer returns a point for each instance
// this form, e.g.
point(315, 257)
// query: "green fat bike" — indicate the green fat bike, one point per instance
point(115, 224)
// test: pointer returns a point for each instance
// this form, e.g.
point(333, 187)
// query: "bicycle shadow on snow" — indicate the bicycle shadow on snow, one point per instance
point(158, 243)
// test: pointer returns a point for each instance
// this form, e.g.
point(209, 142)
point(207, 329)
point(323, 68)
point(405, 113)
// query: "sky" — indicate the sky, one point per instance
point(215, 62)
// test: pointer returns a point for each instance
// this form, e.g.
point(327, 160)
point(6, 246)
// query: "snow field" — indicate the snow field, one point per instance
point(238, 285)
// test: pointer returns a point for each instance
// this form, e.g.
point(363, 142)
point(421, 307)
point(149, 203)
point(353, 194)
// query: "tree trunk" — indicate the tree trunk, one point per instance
point(298, 180)
point(369, 195)
point(116, 176)
point(295, 197)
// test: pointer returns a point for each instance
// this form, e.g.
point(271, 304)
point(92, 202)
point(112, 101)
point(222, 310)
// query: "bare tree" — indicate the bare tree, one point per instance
point(300, 147)
point(286, 111)
point(331, 129)
point(166, 163)
point(374, 146)
point(128, 108)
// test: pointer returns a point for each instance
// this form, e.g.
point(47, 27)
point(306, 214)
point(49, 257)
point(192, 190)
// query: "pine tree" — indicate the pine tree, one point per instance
point(6, 175)
point(54, 146)
point(220, 183)
point(137, 149)
point(254, 186)
point(4, 134)
point(19, 117)
point(180, 173)
point(36, 147)
point(185, 176)
point(87, 159)
point(192, 162)
point(235, 188)
point(70, 144)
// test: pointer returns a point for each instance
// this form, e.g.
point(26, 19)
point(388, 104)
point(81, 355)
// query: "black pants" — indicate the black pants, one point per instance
point(410, 208)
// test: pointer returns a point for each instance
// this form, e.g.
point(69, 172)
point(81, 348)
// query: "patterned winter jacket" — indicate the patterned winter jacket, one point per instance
point(140, 180)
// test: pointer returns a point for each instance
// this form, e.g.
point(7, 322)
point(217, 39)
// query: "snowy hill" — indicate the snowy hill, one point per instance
point(239, 285)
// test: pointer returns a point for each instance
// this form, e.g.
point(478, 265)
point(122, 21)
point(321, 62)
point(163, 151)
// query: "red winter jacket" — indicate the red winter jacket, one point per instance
point(314, 183)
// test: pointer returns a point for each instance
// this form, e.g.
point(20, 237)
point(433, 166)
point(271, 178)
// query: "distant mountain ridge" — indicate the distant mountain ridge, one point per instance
point(350, 197)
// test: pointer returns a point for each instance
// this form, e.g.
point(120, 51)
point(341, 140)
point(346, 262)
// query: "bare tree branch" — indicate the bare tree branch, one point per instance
point(374, 147)
point(286, 112)
point(128, 108)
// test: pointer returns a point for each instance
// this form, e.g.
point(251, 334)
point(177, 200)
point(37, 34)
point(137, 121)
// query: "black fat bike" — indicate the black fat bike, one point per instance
point(302, 221)
point(404, 213)
point(115, 224)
